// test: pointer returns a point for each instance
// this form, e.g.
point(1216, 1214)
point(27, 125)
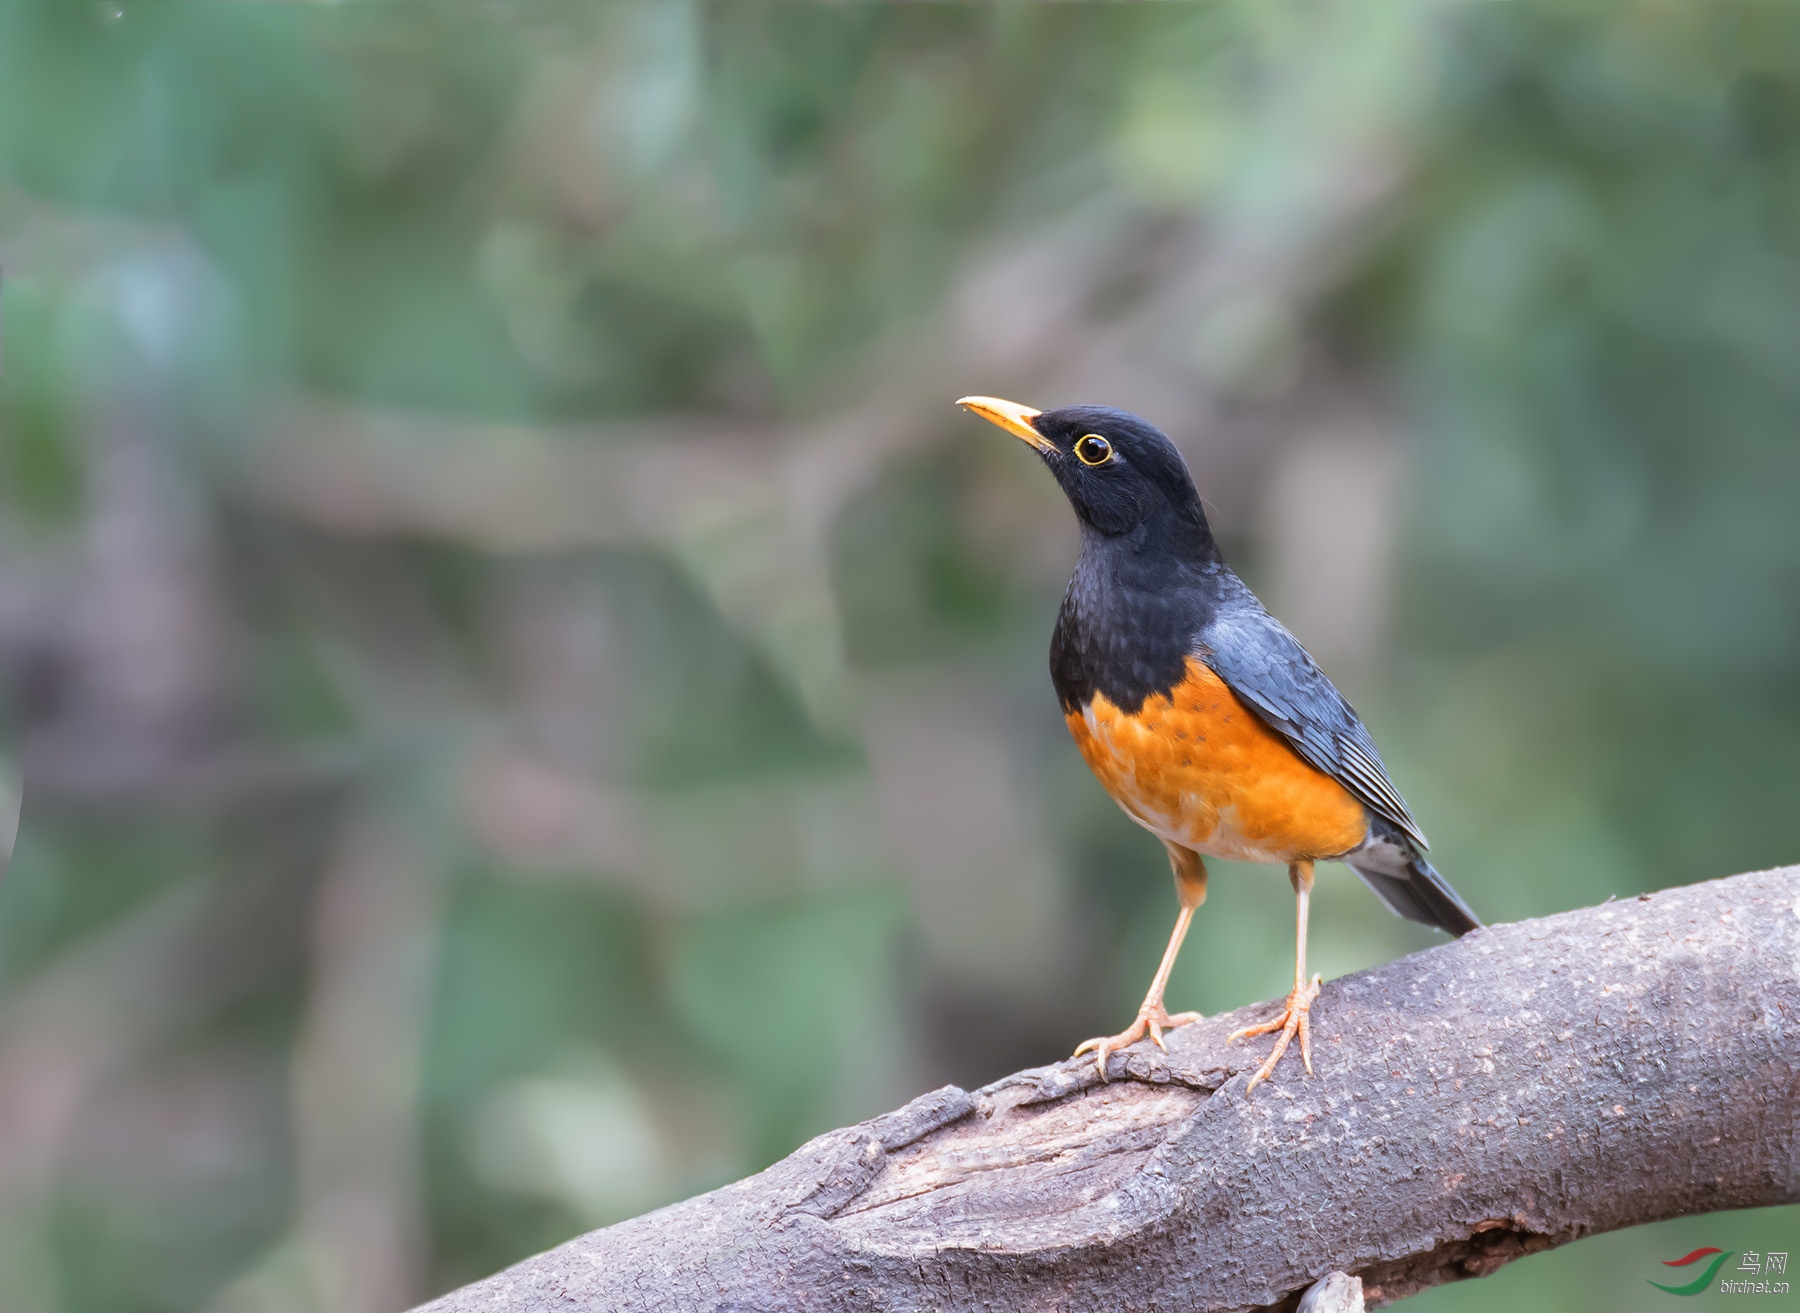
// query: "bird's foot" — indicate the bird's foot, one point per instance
point(1152, 1019)
point(1292, 1021)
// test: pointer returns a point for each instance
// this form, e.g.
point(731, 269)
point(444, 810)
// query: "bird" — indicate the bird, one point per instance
point(1202, 716)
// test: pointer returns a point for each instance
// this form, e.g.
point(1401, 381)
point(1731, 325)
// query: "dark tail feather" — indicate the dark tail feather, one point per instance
point(1417, 893)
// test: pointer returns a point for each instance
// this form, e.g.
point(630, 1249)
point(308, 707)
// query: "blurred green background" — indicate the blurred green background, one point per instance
point(533, 702)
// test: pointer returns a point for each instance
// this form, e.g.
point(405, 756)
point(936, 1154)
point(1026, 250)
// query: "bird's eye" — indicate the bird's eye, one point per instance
point(1092, 449)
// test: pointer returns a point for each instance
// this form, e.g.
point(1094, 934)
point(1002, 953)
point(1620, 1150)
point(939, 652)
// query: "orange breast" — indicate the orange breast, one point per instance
point(1200, 769)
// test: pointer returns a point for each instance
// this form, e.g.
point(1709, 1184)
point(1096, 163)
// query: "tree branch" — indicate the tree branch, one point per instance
point(1522, 1087)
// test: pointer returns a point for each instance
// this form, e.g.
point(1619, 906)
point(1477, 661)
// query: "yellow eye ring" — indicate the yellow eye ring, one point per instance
point(1092, 449)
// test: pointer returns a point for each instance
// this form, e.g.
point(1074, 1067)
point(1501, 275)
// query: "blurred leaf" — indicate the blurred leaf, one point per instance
point(748, 986)
point(41, 465)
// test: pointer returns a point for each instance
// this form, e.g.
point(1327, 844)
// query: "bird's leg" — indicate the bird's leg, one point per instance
point(1293, 1019)
point(1152, 1017)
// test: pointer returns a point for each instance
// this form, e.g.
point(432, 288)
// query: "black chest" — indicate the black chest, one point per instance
point(1127, 628)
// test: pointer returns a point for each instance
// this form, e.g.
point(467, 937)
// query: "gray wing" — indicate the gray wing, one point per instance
point(1277, 678)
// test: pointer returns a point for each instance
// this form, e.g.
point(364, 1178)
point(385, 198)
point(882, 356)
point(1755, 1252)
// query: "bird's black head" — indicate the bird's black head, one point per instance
point(1120, 473)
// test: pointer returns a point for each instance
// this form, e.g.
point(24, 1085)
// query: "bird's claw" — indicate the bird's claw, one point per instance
point(1292, 1021)
point(1151, 1018)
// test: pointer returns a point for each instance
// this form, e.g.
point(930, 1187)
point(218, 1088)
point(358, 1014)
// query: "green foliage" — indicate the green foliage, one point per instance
point(43, 466)
point(746, 985)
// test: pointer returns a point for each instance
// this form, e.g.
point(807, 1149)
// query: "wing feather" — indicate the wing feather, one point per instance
point(1267, 668)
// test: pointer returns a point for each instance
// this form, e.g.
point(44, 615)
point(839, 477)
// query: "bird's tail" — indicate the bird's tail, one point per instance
point(1401, 877)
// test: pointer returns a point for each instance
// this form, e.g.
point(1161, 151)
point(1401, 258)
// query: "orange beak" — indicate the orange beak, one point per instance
point(1012, 417)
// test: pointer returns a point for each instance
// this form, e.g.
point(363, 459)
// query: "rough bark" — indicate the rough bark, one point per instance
point(1520, 1088)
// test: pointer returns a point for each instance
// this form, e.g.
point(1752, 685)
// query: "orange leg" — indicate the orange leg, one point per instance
point(1152, 1017)
point(1293, 1019)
